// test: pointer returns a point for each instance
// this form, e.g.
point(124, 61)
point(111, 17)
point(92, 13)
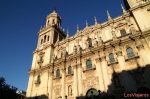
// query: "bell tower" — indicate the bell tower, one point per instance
point(140, 9)
point(132, 3)
point(48, 35)
point(53, 19)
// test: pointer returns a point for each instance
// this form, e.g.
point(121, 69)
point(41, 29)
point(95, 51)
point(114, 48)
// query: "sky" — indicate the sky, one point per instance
point(20, 21)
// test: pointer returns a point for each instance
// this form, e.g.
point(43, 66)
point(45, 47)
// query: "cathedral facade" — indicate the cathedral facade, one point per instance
point(84, 64)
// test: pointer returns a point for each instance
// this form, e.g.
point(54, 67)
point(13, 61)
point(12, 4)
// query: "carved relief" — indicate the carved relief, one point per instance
point(139, 45)
point(118, 51)
point(57, 90)
point(91, 82)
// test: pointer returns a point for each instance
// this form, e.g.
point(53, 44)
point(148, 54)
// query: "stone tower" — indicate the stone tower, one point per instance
point(141, 12)
point(42, 56)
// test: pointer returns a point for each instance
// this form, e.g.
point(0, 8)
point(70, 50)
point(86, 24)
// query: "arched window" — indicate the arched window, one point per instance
point(44, 38)
point(48, 22)
point(58, 72)
point(69, 70)
point(92, 92)
point(130, 52)
point(111, 58)
point(41, 41)
point(69, 90)
point(88, 64)
point(48, 38)
point(38, 80)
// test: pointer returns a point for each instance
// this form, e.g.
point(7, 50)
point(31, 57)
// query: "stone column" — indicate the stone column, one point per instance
point(105, 72)
point(100, 75)
point(75, 83)
point(63, 91)
point(80, 82)
point(50, 83)
point(121, 59)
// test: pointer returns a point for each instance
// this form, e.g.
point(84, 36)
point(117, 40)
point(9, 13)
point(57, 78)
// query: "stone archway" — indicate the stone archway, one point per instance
point(92, 92)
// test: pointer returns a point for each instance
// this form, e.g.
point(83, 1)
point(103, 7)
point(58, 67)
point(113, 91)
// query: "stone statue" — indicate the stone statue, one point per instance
point(64, 53)
point(113, 34)
point(95, 42)
point(100, 41)
point(132, 29)
point(75, 49)
point(79, 49)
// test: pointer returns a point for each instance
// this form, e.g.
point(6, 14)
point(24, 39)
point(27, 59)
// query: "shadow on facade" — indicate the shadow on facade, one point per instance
point(136, 81)
point(130, 84)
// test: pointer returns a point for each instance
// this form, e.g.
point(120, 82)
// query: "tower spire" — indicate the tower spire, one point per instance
point(78, 29)
point(67, 33)
point(87, 23)
point(123, 9)
point(108, 15)
point(95, 19)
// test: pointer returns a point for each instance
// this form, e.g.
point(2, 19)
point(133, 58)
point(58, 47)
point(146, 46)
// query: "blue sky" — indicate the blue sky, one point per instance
point(20, 21)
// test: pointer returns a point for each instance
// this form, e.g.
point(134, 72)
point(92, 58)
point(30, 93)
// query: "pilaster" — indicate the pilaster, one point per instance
point(121, 59)
point(75, 81)
point(80, 82)
point(105, 72)
point(100, 74)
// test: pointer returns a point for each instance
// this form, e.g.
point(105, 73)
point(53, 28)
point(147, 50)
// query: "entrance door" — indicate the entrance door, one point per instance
point(92, 92)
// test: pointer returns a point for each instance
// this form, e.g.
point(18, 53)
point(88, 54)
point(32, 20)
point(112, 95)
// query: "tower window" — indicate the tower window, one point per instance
point(42, 41)
point(38, 80)
point(69, 70)
point(48, 22)
point(44, 38)
point(58, 73)
point(111, 58)
point(123, 32)
point(53, 21)
point(88, 64)
point(130, 52)
point(48, 38)
point(40, 59)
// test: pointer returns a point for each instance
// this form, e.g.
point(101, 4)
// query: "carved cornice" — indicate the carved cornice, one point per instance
point(43, 68)
point(109, 44)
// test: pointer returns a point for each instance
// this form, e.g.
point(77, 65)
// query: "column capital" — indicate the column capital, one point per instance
point(63, 70)
point(119, 53)
point(103, 58)
point(97, 59)
point(79, 66)
point(74, 66)
point(140, 47)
